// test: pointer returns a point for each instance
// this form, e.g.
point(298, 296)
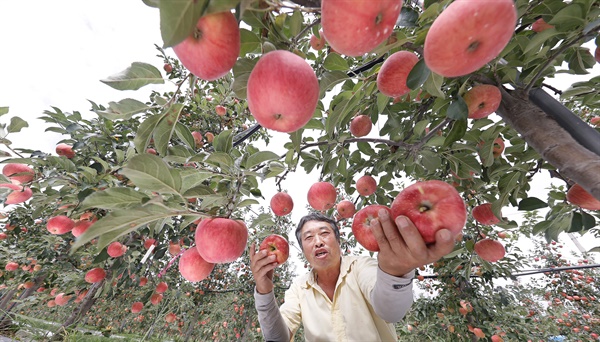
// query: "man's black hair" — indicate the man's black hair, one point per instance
point(315, 216)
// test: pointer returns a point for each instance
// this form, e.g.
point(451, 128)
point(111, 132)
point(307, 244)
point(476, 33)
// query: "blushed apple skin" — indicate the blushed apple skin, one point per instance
point(282, 204)
point(361, 125)
point(221, 240)
point(361, 226)
point(346, 209)
point(489, 250)
point(214, 52)
point(18, 172)
point(322, 196)
point(484, 215)
point(578, 196)
point(277, 245)
point(467, 35)
point(392, 77)
point(283, 91)
point(431, 205)
point(193, 267)
point(354, 28)
point(366, 185)
point(482, 100)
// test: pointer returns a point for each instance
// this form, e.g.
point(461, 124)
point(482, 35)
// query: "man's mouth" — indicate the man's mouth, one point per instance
point(320, 254)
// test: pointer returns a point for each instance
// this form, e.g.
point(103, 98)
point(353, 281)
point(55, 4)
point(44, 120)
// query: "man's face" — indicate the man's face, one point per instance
point(320, 246)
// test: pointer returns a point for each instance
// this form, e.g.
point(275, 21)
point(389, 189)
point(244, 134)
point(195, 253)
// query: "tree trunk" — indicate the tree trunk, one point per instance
point(77, 314)
point(551, 141)
point(193, 323)
point(6, 306)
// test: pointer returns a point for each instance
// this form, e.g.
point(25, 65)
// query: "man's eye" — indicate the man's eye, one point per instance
point(308, 238)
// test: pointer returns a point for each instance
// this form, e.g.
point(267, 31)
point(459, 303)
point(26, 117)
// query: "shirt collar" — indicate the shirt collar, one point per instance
point(345, 266)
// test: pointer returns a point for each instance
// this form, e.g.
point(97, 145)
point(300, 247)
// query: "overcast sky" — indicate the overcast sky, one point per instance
point(55, 52)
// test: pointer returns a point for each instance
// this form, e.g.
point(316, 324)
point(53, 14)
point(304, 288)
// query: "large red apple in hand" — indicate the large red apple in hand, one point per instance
point(322, 196)
point(213, 48)
point(221, 240)
point(361, 226)
point(392, 77)
point(283, 91)
point(276, 245)
point(354, 28)
point(431, 206)
point(468, 34)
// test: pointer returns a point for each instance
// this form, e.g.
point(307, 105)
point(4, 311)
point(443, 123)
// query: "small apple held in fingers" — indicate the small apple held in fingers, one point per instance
point(467, 35)
point(63, 149)
point(431, 205)
point(283, 91)
point(489, 250)
point(366, 185)
point(392, 77)
point(361, 226)
point(346, 209)
point(361, 125)
point(282, 204)
point(276, 245)
point(482, 100)
point(578, 196)
point(193, 267)
point(322, 196)
point(354, 28)
point(213, 48)
point(484, 215)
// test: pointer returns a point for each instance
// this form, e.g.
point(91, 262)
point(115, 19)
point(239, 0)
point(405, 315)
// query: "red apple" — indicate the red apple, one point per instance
point(213, 48)
point(317, 42)
point(346, 209)
point(484, 215)
point(11, 266)
point(209, 137)
point(322, 196)
point(221, 111)
point(151, 151)
point(431, 206)
point(366, 185)
point(596, 119)
point(116, 249)
point(283, 91)
point(282, 204)
point(197, 139)
point(578, 196)
point(61, 299)
point(80, 227)
point(361, 125)
point(143, 281)
point(221, 240)
point(63, 149)
point(60, 224)
point(51, 303)
point(19, 173)
point(95, 275)
point(276, 245)
point(156, 298)
point(174, 248)
point(354, 28)
point(482, 100)
point(162, 287)
point(498, 147)
point(540, 25)
point(193, 267)
point(391, 79)
point(361, 226)
point(170, 317)
point(502, 235)
point(168, 68)
point(469, 34)
point(137, 307)
point(150, 242)
point(3, 236)
point(19, 194)
point(489, 250)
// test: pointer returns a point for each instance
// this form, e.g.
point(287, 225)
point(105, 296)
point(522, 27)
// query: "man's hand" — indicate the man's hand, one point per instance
point(401, 247)
point(262, 267)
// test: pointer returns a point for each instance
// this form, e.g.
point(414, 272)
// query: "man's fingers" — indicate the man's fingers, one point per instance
point(444, 244)
point(252, 249)
point(412, 237)
point(379, 235)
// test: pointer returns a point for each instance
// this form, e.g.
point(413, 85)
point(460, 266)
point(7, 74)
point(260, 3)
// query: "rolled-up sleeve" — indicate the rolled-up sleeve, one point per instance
point(271, 322)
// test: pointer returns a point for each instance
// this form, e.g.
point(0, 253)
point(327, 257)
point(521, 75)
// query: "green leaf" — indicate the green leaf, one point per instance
point(121, 222)
point(330, 79)
point(3, 110)
point(216, 6)
point(224, 141)
point(198, 191)
point(114, 198)
point(588, 221)
point(433, 85)
point(458, 110)
point(122, 110)
point(166, 127)
point(459, 128)
point(191, 178)
point(538, 40)
point(532, 203)
point(260, 157)
point(540, 227)
point(382, 101)
point(150, 172)
point(144, 132)
point(418, 75)
point(220, 159)
point(184, 134)
point(334, 61)
point(568, 17)
point(152, 3)
point(136, 76)
point(178, 19)
point(16, 124)
point(295, 22)
point(576, 223)
point(250, 42)
point(408, 17)
point(247, 202)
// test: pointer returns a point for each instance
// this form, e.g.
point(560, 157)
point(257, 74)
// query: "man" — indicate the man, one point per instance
point(345, 298)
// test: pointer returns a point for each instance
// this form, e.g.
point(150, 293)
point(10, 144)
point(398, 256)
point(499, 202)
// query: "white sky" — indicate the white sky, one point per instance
point(55, 52)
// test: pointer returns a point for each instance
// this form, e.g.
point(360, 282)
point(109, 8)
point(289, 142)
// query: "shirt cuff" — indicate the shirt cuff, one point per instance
point(263, 300)
point(397, 283)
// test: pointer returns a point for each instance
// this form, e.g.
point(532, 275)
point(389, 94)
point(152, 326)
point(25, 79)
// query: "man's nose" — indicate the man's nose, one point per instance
point(318, 241)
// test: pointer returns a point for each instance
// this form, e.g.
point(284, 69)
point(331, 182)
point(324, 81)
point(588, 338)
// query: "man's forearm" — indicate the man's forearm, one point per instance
point(392, 296)
point(271, 322)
